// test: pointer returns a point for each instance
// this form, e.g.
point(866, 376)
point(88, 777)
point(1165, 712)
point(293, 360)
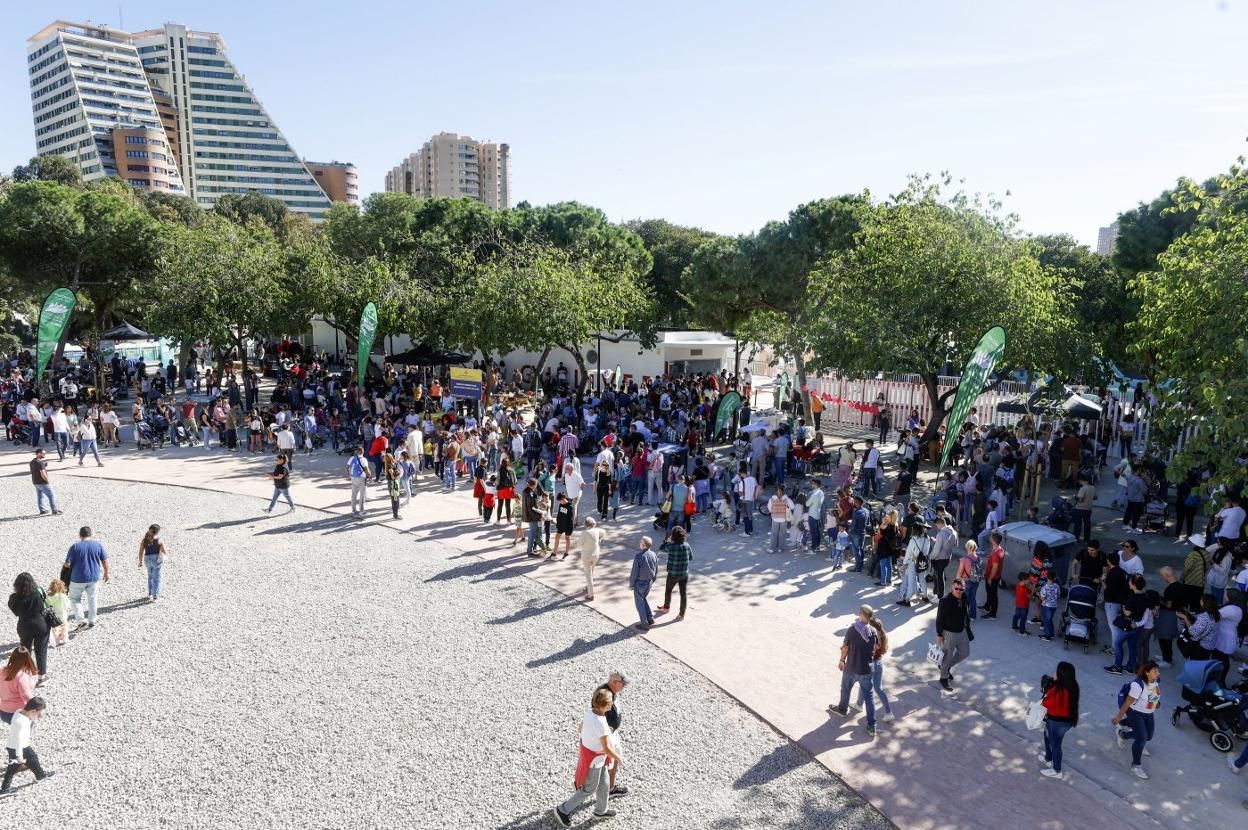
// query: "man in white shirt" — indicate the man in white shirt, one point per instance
point(870, 470)
point(605, 456)
point(60, 431)
point(1232, 517)
point(745, 489)
point(286, 444)
point(758, 455)
point(573, 484)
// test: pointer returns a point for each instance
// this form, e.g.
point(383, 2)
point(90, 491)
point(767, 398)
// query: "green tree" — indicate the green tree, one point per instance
point(927, 276)
point(224, 283)
point(49, 168)
point(672, 248)
point(1100, 298)
point(1192, 321)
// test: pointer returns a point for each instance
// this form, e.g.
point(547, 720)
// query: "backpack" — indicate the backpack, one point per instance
point(1123, 692)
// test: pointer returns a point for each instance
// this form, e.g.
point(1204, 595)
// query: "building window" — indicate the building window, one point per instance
point(135, 139)
point(137, 154)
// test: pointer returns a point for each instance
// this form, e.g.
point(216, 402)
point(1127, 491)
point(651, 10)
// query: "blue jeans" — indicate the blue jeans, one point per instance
point(535, 536)
point(76, 590)
point(1054, 731)
point(644, 613)
point(87, 445)
point(1046, 619)
point(281, 493)
point(856, 540)
point(747, 513)
point(1139, 733)
point(62, 443)
point(45, 491)
point(863, 682)
point(637, 489)
point(1242, 760)
point(1019, 623)
point(972, 607)
point(779, 469)
point(877, 680)
point(886, 569)
point(153, 574)
point(816, 530)
point(1132, 643)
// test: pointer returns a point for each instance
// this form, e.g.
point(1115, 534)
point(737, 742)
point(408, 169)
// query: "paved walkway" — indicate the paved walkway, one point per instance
point(767, 628)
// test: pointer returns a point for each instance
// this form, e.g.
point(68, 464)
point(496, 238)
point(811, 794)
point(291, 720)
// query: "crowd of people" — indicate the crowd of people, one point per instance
point(655, 444)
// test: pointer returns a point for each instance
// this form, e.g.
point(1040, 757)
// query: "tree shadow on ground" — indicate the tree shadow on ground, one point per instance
point(580, 647)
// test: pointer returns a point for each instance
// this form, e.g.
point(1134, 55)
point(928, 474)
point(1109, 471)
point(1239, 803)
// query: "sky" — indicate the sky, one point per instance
point(725, 114)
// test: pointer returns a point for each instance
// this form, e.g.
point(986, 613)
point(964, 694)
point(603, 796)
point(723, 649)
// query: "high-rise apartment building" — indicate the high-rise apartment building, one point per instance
point(168, 100)
point(456, 166)
point(1106, 237)
point(339, 179)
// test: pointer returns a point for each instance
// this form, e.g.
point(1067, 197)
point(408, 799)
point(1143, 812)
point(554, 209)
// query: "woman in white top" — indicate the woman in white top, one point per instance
point(19, 751)
point(591, 542)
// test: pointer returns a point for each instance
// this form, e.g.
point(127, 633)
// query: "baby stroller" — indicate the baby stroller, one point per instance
point(1079, 617)
point(147, 438)
point(660, 520)
point(1216, 710)
point(18, 433)
point(348, 440)
point(1063, 514)
point(186, 437)
point(1156, 512)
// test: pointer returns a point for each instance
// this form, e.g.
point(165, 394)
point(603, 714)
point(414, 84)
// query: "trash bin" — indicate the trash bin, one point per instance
point(1019, 539)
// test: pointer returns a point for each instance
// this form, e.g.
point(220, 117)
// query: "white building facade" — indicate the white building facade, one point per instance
point(457, 167)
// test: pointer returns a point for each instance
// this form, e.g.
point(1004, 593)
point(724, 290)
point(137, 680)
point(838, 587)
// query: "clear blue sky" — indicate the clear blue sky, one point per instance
point(727, 114)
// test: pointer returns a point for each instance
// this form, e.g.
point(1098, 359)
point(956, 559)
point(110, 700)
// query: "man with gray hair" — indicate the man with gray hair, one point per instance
point(615, 685)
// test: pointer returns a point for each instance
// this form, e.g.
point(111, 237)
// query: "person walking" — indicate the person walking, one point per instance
point(281, 482)
point(679, 555)
point(595, 760)
point(394, 483)
point(857, 652)
point(87, 442)
point(153, 554)
point(591, 549)
point(1085, 500)
point(953, 632)
point(21, 755)
point(778, 507)
point(1061, 708)
point(359, 475)
point(18, 680)
point(1138, 700)
point(616, 683)
point(43, 486)
point(877, 671)
point(564, 525)
point(943, 545)
point(745, 490)
point(27, 603)
point(532, 516)
point(916, 557)
point(645, 570)
point(858, 519)
point(87, 562)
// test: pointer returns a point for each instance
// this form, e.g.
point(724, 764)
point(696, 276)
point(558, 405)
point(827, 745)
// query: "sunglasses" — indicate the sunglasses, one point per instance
point(957, 588)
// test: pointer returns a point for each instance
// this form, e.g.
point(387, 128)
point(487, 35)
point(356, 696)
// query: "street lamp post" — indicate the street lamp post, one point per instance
point(600, 362)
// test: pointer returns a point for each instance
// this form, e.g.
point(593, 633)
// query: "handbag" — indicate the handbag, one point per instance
point(935, 654)
point(691, 506)
point(1124, 623)
point(1035, 714)
point(49, 616)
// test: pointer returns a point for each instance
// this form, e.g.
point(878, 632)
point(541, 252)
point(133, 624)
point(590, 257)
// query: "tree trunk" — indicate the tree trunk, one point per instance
point(580, 364)
point(800, 373)
point(938, 400)
point(541, 364)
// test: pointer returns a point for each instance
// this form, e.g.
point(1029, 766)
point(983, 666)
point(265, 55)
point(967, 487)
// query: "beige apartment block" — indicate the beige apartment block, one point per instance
point(455, 166)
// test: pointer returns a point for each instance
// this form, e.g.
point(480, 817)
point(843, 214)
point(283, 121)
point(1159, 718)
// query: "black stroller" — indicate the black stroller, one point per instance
point(1216, 710)
point(660, 520)
point(1063, 514)
point(1079, 617)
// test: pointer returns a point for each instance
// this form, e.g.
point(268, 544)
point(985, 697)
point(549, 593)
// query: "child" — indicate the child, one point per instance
point(1022, 602)
point(489, 492)
point(58, 600)
point(1049, 593)
point(478, 487)
point(21, 755)
point(721, 517)
point(408, 469)
point(428, 453)
point(613, 503)
point(543, 507)
point(842, 544)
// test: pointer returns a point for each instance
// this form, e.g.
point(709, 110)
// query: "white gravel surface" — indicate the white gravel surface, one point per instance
point(305, 672)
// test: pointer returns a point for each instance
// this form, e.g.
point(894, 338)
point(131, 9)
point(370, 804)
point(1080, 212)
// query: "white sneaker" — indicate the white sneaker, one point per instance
point(1049, 772)
point(1146, 753)
point(1140, 773)
point(887, 716)
point(1040, 757)
point(1122, 742)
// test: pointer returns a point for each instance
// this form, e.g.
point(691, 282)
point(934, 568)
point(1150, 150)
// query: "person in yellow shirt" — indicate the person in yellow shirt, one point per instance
point(816, 408)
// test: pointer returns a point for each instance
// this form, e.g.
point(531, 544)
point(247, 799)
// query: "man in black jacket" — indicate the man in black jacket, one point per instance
point(531, 514)
point(953, 632)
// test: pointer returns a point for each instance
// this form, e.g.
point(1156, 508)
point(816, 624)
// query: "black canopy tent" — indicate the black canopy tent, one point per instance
point(125, 331)
point(1045, 401)
point(422, 355)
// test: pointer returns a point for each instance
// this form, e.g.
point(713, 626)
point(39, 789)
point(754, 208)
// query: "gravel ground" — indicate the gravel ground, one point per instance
point(304, 672)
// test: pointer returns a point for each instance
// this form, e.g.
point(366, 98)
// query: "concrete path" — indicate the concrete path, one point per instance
point(767, 628)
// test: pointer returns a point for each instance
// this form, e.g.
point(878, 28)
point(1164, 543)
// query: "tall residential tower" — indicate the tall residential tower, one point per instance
point(456, 166)
point(161, 108)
